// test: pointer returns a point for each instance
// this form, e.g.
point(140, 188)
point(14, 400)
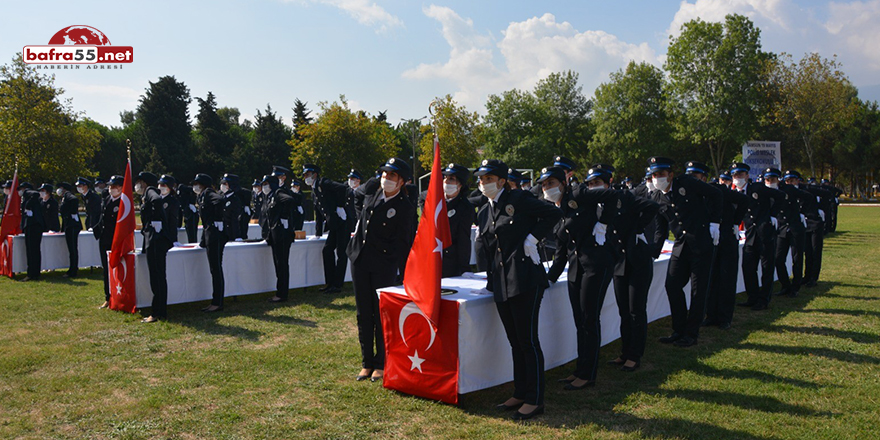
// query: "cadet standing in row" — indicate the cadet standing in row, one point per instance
point(791, 227)
point(815, 232)
point(50, 208)
point(158, 219)
point(107, 227)
point(330, 201)
point(189, 212)
point(275, 220)
point(214, 238)
point(71, 225)
point(457, 257)
point(33, 224)
point(91, 201)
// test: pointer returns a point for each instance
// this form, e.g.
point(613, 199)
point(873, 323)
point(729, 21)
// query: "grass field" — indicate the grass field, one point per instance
point(808, 368)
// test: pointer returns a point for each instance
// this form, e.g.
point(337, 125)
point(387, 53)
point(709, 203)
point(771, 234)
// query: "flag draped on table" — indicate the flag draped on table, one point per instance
point(123, 294)
point(421, 355)
point(10, 226)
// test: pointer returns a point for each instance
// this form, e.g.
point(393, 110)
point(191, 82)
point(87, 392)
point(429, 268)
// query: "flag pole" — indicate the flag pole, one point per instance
point(128, 151)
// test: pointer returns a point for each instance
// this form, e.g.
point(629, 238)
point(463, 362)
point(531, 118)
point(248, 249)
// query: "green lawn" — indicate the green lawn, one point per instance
point(808, 368)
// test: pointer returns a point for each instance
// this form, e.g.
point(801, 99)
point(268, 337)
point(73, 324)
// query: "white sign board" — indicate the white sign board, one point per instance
point(760, 155)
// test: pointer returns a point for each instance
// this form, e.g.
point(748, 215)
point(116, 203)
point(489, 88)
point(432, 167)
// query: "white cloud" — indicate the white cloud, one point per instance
point(364, 11)
point(102, 91)
point(857, 24)
point(530, 50)
point(778, 13)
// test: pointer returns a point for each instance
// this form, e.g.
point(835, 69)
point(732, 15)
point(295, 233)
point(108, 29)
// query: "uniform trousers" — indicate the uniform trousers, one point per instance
point(631, 292)
point(722, 289)
point(813, 255)
point(215, 264)
point(157, 255)
point(763, 250)
point(71, 236)
point(335, 259)
point(519, 315)
point(687, 264)
point(794, 241)
point(586, 295)
point(105, 271)
point(367, 275)
point(33, 238)
point(280, 241)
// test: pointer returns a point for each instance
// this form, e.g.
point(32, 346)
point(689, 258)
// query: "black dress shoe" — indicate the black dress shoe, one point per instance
point(564, 380)
point(792, 294)
point(783, 292)
point(631, 369)
point(503, 407)
point(361, 378)
point(276, 300)
point(332, 290)
point(686, 341)
point(573, 387)
point(536, 412)
point(747, 303)
point(760, 306)
point(617, 361)
point(324, 289)
point(670, 339)
point(724, 326)
point(209, 310)
point(708, 323)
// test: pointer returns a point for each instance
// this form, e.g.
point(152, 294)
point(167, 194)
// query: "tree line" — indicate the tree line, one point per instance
point(716, 90)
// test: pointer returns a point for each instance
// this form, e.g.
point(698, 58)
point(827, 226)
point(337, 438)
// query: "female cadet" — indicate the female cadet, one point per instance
point(457, 258)
point(580, 237)
point(511, 223)
point(275, 224)
point(380, 245)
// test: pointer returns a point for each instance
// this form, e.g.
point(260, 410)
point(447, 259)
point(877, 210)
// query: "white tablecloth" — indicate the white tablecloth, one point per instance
point(483, 349)
point(247, 268)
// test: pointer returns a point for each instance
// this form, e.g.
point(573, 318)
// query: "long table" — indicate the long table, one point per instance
point(55, 256)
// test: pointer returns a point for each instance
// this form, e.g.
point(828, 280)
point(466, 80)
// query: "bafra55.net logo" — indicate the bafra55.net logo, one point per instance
point(78, 45)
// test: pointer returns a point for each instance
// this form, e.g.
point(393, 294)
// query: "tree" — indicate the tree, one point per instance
point(269, 142)
point(527, 129)
point(814, 97)
point(38, 129)
point(458, 132)
point(110, 156)
point(164, 143)
point(715, 70)
point(629, 113)
point(340, 139)
point(301, 117)
point(213, 145)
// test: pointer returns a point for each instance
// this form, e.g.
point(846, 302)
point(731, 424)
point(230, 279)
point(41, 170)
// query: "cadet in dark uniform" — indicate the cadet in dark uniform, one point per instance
point(633, 267)
point(379, 247)
point(244, 218)
point(33, 224)
point(725, 267)
point(511, 224)
point(211, 206)
point(70, 224)
point(815, 231)
point(513, 179)
point(256, 200)
point(50, 208)
point(580, 235)
point(275, 224)
point(107, 227)
point(92, 202)
point(457, 257)
point(760, 246)
point(190, 212)
point(831, 223)
point(298, 216)
point(233, 209)
point(330, 201)
point(568, 165)
point(691, 208)
point(791, 232)
point(158, 217)
point(525, 183)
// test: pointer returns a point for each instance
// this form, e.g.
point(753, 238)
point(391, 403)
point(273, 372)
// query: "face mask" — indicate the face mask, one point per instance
point(58, 191)
point(197, 189)
point(597, 187)
point(450, 189)
point(554, 195)
point(21, 193)
point(490, 190)
point(164, 190)
point(114, 193)
point(296, 189)
point(661, 183)
point(224, 188)
point(267, 189)
point(139, 188)
point(99, 190)
point(7, 191)
point(650, 185)
point(772, 185)
point(44, 195)
point(740, 183)
point(353, 183)
point(389, 185)
point(257, 190)
point(310, 181)
point(82, 189)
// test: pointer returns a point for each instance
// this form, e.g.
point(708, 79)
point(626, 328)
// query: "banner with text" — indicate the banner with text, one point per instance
point(760, 155)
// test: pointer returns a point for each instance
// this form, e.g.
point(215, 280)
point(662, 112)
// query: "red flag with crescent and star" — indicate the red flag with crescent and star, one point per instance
point(123, 295)
point(10, 226)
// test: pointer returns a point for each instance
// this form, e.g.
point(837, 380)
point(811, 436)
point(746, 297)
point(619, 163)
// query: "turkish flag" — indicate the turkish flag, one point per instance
point(11, 225)
point(420, 360)
point(120, 258)
point(424, 266)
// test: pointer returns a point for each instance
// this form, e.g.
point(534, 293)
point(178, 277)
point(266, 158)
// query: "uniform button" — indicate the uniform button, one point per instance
point(499, 249)
point(673, 205)
point(623, 250)
point(684, 232)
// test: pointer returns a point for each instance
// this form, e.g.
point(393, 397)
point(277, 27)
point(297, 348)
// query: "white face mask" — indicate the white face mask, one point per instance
point(99, 190)
point(310, 181)
point(164, 190)
point(740, 182)
point(139, 188)
point(224, 188)
point(353, 183)
point(450, 189)
point(82, 189)
point(59, 192)
point(258, 190)
point(44, 195)
point(115, 193)
point(389, 185)
point(661, 183)
point(296, 189)
point(650, 185)
point(553, 195)
point(267, 189)
point(597, 187)
point(21, 193)
point(197, 189)
point(7, 191)
point(490, 190)
point(771, 185)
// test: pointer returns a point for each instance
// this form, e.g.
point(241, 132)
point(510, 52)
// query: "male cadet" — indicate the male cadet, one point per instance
point(92, 202)
point(831, 224)
point(791, 232)
point(692, 210)
point(815, 233)
point(330, 201)
point(760, 226)
point(189, 212)
point(70, 224)
point(256, 200)
point(107, 227)
point(33, 224)
point(212, 210)
point(725, 266)
point(50, 208)
point(158, 217)
point(233, 207)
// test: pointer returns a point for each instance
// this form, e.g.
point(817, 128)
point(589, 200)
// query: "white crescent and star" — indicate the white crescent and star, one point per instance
point(412, 309)
point(126, 203)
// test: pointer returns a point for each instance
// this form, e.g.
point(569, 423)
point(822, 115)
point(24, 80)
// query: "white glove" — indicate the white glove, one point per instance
point(300, 209)
point(530, 246)
point(192, 208)
point(715, 232)
point(247, 210)
point(238, 240)
point(837, 200)
point(284, 223)
point(74, 217)
point(219, 226)
point(818, 199)
point(482, 291)
point(822, 215)
point(28, 213)
point(89, 230)
point(599, 233)
point(157, 226)
point(736, 231)
point(341, 213)
point(178, 244)
point(641, 237)
point(774, 222)
point(804, 219)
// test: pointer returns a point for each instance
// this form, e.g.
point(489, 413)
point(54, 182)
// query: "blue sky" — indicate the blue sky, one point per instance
point(397, 55)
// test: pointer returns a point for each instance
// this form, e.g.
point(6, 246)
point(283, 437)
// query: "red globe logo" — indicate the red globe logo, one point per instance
point(80, 34)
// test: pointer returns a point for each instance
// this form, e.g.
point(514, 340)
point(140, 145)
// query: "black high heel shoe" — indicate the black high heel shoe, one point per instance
point(573, 387)
point(504, 407)
point(631, 369)
point(617, 361)
point(536, 412)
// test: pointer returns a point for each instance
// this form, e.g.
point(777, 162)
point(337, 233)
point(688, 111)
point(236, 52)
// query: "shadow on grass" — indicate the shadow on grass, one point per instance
point(842, 356)
point(844, 312)
point(860, 298)
point(827, 331)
